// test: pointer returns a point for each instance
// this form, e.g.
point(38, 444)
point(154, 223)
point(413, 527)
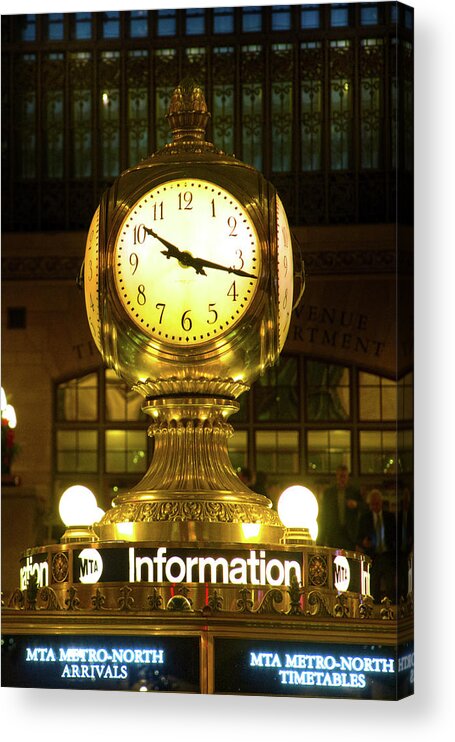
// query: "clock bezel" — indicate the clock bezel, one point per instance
point(233, 334)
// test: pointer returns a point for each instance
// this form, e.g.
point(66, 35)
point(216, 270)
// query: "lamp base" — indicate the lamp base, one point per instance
point(75, 534)
point(297, 536)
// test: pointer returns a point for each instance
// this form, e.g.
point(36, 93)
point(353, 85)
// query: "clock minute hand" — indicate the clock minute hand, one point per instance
point(200, 263)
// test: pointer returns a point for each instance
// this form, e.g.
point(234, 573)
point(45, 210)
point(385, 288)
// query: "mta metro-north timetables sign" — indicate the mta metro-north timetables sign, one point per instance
point(292, 668)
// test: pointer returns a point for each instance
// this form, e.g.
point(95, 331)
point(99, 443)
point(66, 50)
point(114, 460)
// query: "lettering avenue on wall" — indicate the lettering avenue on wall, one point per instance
point(335, 329)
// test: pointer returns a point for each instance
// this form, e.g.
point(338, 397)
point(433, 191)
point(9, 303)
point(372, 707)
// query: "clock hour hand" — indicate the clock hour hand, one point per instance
point(185, 258)
point(172, 250)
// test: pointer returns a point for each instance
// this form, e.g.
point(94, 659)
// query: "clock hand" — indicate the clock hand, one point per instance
point(199, 262)
point(187, 259)
point(174, 252)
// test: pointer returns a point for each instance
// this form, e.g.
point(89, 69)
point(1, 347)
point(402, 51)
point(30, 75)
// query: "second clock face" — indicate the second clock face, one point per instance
point(91, 278)
point(187, 262)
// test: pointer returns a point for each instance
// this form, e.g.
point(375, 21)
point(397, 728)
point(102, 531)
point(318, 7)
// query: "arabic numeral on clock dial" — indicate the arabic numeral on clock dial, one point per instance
point(139, 234)
point(134, 262)
point(141, 297)
point(239, 255)
point(232, 224)
point(185, 199)
point(162, 307)
point(158, 211)
point(233, 291)
point(215, 315)
point(186, 321)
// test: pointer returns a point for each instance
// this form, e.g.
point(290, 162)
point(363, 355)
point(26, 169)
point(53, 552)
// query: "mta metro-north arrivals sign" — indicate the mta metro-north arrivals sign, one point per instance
point(164, 663)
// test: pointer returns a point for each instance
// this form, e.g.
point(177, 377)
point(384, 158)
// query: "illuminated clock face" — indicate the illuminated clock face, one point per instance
point(187, 262)
point(91, 279)
point(285, 272)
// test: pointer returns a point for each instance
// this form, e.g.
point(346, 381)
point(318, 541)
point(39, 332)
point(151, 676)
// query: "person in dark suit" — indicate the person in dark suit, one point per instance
point(339, 512)
point(377, 538)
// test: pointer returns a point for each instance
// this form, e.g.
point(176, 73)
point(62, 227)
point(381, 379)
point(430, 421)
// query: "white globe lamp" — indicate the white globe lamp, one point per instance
point(78, 510)
point(298, 511)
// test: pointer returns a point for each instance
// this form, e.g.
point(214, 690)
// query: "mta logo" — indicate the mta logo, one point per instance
point(91, 566)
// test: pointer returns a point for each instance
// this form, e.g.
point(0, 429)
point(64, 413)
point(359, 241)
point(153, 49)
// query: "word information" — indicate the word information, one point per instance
point(37, 568)
point(255, 569)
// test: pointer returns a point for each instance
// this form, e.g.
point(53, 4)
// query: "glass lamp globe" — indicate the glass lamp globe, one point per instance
point(99, 512)
point(78, 506)
point(297, 507)
point(314, 530)
point(9, 413)
point(298, 511)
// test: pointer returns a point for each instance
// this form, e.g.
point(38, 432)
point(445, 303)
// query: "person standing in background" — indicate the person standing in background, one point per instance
point(339, 512)
point(377, 538)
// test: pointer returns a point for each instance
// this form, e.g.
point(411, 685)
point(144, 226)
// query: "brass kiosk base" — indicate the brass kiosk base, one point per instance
point(91, 628)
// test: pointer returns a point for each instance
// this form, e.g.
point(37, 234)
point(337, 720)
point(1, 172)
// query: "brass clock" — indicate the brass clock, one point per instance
point(189, 283)
point(187, 261)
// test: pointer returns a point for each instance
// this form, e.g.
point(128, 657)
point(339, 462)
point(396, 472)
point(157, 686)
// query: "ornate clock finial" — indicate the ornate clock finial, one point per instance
point(188, 114)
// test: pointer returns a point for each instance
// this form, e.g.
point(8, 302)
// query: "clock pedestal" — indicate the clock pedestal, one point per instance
point(191, 493)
